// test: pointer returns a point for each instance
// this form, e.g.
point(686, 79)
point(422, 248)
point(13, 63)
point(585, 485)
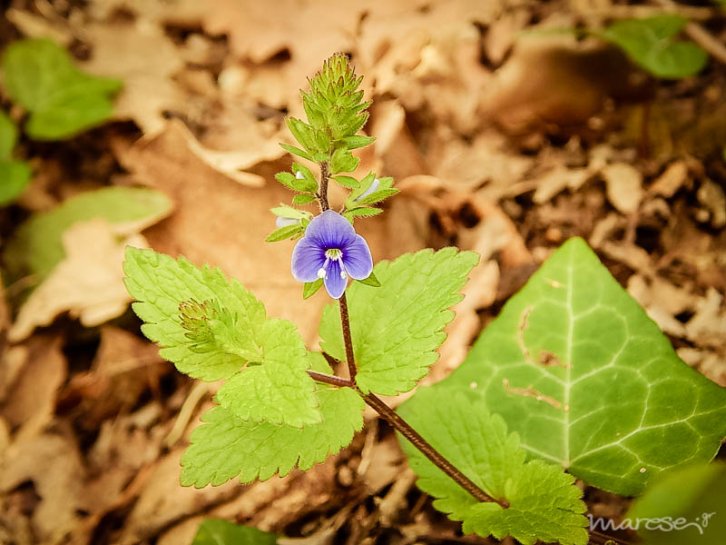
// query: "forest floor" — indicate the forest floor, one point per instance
point(505, 135)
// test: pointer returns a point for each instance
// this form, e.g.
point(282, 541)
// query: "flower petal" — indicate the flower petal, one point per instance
point(334, 282)
point(330, 230)
point(357, 259)
point(307, 259)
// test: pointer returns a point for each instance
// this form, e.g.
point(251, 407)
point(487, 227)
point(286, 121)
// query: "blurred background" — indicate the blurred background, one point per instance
point(509, 126)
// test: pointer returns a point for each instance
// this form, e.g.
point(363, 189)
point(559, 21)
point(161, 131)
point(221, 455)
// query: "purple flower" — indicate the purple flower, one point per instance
point(331, 250)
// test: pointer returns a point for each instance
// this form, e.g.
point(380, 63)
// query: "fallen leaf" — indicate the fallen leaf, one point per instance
point(708, 325)
point(672, 179)
point(88, 283)
point(624, 186)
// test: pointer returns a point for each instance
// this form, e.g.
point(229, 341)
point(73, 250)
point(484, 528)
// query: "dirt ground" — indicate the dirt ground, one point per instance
point(505, 134)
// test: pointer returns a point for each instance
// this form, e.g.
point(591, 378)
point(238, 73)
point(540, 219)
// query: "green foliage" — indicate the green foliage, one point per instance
point(577, 368)
point(652, 44)
point(62, 100)
point(335, 112)
point(214, 329)
point(36, 247)
point(14, 175)
point(396, 328)
point(695, 495)
point(544, 503)
point(224, 446)
point(222, 532)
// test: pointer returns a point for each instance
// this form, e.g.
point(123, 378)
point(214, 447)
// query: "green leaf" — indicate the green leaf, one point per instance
point(62, 100)
point(577, 368)
point(363, 212)
point(286, 232)
point(302, 199)
point(296, 151)
point(224, 446)
point(222, 532)
point(652, 44)
point(377, 196)
point(358, 141)
point(311, 288)
point(371, 281)
point(693, 495)
point(14, 178)
point(8, 137)
point(544, 503)
point(159, 284)
point(278, 389)
point(347, 181)
point(398, 327)
point(36, 246)
point(343, 161)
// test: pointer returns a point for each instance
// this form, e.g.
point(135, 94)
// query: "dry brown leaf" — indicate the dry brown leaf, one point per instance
point(30, 403)
point(712, 198)
point(708, 325)
point(560, 177)
point(182, 13)
point(672, 179)
point(145, 59)
point(88, 283)
point(51, 461)
point(35, 26)
point(624, 185)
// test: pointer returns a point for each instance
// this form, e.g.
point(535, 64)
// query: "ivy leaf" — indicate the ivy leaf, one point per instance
point(224, 446)
point(36, 246)
point(544, 503)
point(589, 382)
point(278, 389)
point(62, 100)
point(398, 327)
point(159, 284)
point(651, 43)
point(222, 532)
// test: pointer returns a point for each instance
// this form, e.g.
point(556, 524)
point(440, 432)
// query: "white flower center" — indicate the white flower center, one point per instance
point(331, 255)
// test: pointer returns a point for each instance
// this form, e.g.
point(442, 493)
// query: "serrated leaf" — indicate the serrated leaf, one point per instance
point(302, 199)
point(544, 503)
point(63, 101)
point(8, 137)
point(347, 181)
point(362, 212)
point(651, 43)
point(685, 505)
point(278, 390)
point(222, 532)
point(377, 196)
point(358, 141)
point(371, 281)
point(36, 246)
point(14, 178)
point(224, 446)
point(398, 327)
point(159, 284)
point(343, 161)
point(577, 368)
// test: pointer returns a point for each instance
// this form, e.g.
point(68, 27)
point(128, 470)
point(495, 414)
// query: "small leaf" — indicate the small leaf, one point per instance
point(544, 503)
point(347, 181)
point(377, 196)
point(222, 532)
point(296, 151)
point(343, 161)
point(296, 184)
point(285, 211)
point(652, 44)
point(8, 137)
point(311, 288)
point(587, 379)
point(302, 132)
point(358, 141)
point(36, 246)
point(224, 446)
point(62, 100)
point(362, 212)
point(286, 232)
point(303, 199)
point(398, 327)
point(14, 178)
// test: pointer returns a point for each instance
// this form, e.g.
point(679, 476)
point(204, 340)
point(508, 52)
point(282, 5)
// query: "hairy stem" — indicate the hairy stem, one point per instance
point(330, 379)
point(323, 188)
point(345, 322)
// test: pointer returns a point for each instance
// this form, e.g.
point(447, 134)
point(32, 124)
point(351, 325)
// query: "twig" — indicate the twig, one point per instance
point(345, 322)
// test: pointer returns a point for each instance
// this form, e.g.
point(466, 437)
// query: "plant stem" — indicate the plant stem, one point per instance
point(323, 189)
point(405, 429)
point(345, 322)
point(386, 412)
